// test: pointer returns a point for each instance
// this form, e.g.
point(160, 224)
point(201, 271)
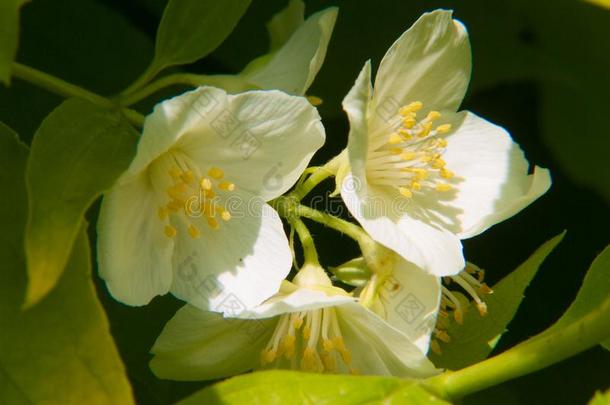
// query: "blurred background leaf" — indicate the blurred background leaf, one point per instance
point(77, 153)
point(60, 351)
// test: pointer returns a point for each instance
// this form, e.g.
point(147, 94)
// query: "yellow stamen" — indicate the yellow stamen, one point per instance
point(216, 173)
point(395, 139)
point(443, 187)
point(405, 192)
point(188, 177)
point(315, 101)
point(212, 223)
point(443, 129)
point(227, 186)
point(193, 231)
point(170, 231)
point(433, 115)
point(206, 184)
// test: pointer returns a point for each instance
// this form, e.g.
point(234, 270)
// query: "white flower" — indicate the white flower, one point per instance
point(422, 176)
point(408, 299)
point(298, 49)
point(309, 325)
point(189, 215)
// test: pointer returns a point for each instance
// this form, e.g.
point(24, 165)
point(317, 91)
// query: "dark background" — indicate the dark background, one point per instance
point(540, 69)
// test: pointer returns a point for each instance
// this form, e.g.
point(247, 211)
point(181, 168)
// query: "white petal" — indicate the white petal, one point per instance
point(411, 299)
point(302, 299)
point(293, 67)
point(430, 62)
point(199, 345)
point(403, 227)
point(378, 348)
point(284, 23)
point(491, 175)
point(134, 255)
point(235, 267)
point(263, 140)
point(356, 105)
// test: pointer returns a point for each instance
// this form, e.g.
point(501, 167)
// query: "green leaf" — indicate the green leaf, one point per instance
point(601, 3)
point(472, 341)
point(600, 398)
point(60, 351)
point(191, 29)
point(594, 291)
point(9, 36)
point(77, 153)
point(292, 387)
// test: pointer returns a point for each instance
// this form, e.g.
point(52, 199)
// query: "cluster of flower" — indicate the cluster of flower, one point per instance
point(191, 215)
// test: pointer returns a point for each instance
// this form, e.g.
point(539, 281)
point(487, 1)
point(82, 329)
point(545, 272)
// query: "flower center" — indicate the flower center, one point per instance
point(316, 335)
point(410, 159)
point(194, 198)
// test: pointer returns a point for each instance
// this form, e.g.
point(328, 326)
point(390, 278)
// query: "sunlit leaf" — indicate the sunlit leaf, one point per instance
point(77, 153)
point(601, 3)
point(61, 351)
point(472, 341)
point(291, 387)
point(9, 36)
point(191, 29)
point(601, 398)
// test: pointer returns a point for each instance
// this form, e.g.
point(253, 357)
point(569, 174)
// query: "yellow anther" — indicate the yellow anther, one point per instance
point(405, 192)
point(227, 186)
point(442, 335)
point(225, 215)
point(436, 348)
point(338, 342)
point(309, 358)
point(458, 315)
point(188, 177)
point(329, 362)
point(328, 345)
point(346, 356)
point(209, 194)
point(408, 155)
point(163, 213)
point(433, 115)
point(482, 307)
point(438, 163)
point(415, 186)
point(170, 231)
point(441, 143)
point(216, 173)
point(193, 231)
point(446, 174)
point(268, 356)
point(420, 174)
point(443, 129)
point(174, 205)
point(484, 289)
point(413, 107)
point(306, 332)
point(442, 187)
point(176, 191)
point(427, 158)
point(426, 128)
point(395, 139)
point(206, 184)
point(395, 151)
point(406, 135)
point(288, 343)
point(409, 122)
point(175, 172)
point(212, 223)
point(315, 101)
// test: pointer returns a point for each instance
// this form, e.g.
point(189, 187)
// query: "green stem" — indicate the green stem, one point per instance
point(318, 176)
point(144, 78)
point(230, 83)
point(536, 353)
point(65, 89)
point(309, 249)
point(351, 230)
